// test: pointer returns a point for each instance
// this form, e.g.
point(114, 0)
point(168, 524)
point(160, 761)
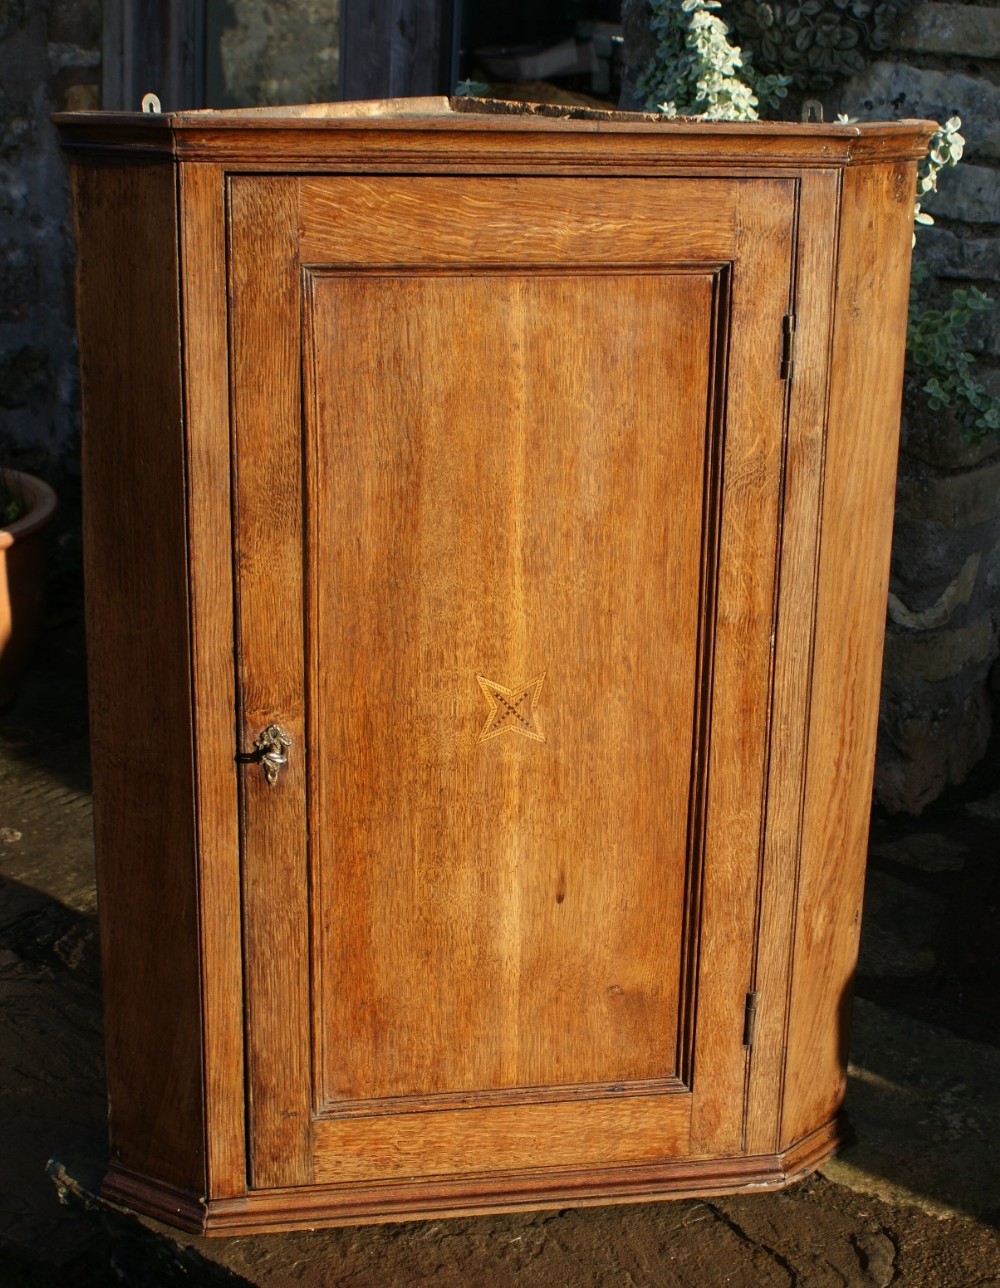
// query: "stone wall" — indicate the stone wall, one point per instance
point(49, 60)
point(272, 51)
point(944, 609)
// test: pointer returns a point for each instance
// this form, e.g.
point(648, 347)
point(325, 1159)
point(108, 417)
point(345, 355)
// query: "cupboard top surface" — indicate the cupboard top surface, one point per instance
point(440, 127)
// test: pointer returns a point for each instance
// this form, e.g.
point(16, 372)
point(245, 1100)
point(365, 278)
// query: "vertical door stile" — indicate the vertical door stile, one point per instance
point(743, 649)
point(772, 735)
point(266, 399)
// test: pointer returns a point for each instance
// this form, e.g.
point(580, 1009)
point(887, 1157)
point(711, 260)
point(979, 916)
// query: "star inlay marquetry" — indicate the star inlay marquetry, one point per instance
point(513, 709)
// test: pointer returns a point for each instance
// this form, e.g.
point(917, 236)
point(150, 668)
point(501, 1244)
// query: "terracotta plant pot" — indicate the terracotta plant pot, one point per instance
point(22, 579)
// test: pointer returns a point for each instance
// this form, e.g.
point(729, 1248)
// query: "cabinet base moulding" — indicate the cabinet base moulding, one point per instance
point(275, 1211)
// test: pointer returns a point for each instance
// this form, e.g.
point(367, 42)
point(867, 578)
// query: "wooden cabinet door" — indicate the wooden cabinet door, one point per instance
point(508, 456)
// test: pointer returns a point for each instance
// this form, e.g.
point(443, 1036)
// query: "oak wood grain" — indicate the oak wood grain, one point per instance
point(363, 1203)
point(138, 650)
point(429, 134)
point(571, 602)
point(210, 564)
point(795, 630)
point(487, 221)
point(503, 1138)
point(867, 357)
point(448, 541)
point(268, 539)
point(743, 631)
point(512, 513)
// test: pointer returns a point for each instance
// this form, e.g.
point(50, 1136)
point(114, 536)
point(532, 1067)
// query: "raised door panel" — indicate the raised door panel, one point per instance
point(500, 907)
point(504, 575)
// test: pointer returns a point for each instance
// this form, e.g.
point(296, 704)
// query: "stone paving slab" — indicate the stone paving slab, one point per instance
point(815, 1235)
point(925, 1107)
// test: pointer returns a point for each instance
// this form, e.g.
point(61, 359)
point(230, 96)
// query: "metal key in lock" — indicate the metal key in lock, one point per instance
point(271, 752)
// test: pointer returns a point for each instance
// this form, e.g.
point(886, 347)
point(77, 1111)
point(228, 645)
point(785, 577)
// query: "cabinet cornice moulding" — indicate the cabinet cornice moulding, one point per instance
point(429, 134)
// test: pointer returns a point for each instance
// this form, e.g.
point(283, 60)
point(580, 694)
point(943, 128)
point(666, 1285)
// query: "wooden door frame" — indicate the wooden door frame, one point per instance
point(396, 48)
point(153, 46)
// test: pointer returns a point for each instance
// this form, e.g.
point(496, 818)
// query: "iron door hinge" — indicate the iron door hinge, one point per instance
point(750, 1019)
point(787, 346)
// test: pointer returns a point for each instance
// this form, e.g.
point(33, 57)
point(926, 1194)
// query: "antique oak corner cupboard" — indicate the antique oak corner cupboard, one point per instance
point(487, 535)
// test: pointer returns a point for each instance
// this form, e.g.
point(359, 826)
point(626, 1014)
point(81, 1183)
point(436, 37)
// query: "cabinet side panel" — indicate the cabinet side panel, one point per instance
point(856, 528)
point(206, 415)
point(139, 664)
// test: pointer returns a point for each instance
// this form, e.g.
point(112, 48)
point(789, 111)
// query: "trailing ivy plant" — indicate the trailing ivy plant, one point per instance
point(945, 148)
point(696, 71)
point(938, 364)
point(942, 368)
point(815, 42)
